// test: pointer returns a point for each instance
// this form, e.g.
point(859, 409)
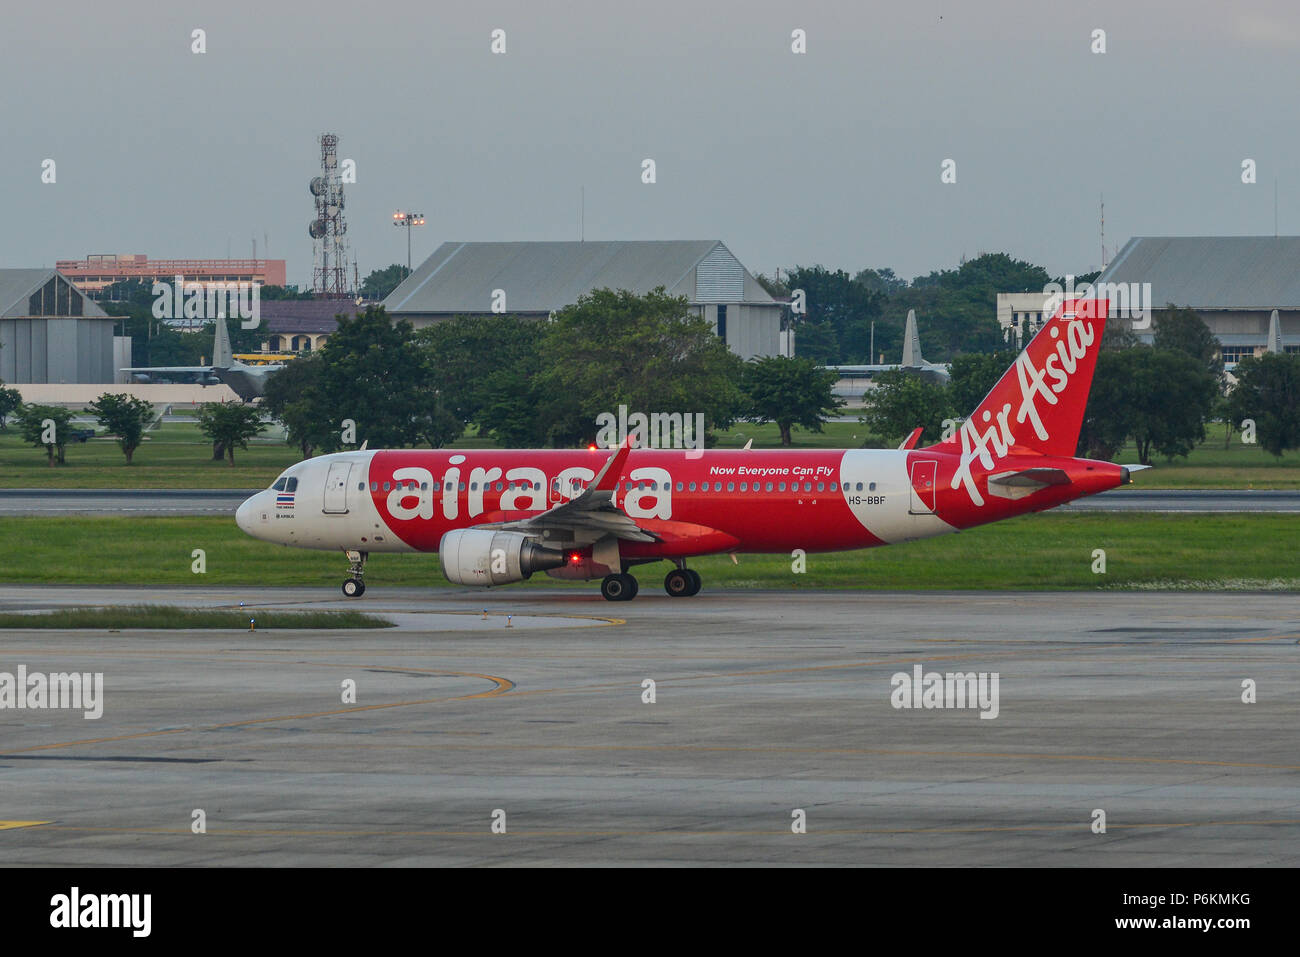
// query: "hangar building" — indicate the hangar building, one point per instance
point(1233, 282)
point(538, 278)
point(50, 332)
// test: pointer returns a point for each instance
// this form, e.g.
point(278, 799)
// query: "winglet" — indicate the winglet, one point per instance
point(748, 445)
point(607, 477)
point(911, 440)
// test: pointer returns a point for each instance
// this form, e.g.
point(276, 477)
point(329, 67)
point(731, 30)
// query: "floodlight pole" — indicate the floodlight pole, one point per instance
point(408, 220)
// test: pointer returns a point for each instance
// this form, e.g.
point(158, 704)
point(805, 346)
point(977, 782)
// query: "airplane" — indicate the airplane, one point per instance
point(247, 381)
point(855, 379)
point(497, 516)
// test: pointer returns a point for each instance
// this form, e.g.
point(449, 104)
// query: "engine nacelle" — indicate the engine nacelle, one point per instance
point(480, 556)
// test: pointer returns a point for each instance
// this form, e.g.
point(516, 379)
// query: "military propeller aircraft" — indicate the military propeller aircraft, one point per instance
point(248, 381)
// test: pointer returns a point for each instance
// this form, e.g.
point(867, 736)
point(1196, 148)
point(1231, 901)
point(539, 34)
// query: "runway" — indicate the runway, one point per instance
point(144, 502)
point(766, 703)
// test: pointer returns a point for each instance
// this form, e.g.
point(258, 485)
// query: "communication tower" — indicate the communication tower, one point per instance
point(330, 249)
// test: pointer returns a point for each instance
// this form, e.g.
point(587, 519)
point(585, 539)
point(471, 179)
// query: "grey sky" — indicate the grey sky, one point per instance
point(830, 157)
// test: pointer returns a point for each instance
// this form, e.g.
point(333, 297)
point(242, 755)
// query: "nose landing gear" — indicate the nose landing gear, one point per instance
point(354, 587)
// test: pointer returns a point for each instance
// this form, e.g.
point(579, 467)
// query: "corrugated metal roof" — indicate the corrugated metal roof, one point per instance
point(17, 286)
point(305, 315)
point(1213, 272)
point(539, 277)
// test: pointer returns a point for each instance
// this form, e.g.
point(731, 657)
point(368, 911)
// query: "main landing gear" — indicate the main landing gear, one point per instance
point(618, 587)
point(681, 582)
point(354, 587)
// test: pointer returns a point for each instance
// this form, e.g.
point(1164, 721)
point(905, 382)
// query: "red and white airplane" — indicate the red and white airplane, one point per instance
point(496, 516)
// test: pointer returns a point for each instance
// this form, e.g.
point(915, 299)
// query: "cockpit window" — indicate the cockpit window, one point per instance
point(279, 484)
point(292, 486)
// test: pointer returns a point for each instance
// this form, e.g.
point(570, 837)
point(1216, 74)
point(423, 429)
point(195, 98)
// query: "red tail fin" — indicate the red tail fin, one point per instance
point(1038, 403)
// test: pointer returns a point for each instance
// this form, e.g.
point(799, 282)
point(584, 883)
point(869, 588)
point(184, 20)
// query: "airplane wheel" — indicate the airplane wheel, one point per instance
point(696, 581)
point(679, 583)
point(354, 588)
point(618, 587)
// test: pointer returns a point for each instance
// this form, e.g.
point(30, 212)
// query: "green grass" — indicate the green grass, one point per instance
point(167, 616)
point(177, 456)
point(1049, 551)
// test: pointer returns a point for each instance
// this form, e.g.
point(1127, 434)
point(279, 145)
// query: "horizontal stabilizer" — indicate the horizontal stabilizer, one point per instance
point(1025, 482)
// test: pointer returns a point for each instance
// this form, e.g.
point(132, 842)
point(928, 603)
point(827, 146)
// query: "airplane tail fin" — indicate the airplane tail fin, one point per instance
point(911, 343)
point(1274, 334)
point(1038, 403)
point(221, 352)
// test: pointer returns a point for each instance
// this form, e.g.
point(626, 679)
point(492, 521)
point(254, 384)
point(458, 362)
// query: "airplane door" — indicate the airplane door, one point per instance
point(923, 479)
point(336, 488)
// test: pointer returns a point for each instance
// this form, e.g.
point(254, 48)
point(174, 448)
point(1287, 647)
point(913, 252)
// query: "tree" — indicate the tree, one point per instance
point(10, 401)
point(375, 372)
point(1268, 391)
point(848, 308)
point(973, 375)
point(1175, 396)
point(1183, 330)
point(456, 350)
point(383, 281)
point(788, 392)
point(902, 401)
point(1107, 420)
point(881, 280)
point(1159, 398)
point(125, 416)
point(46, 427)
point(648, 352)
point(230, 424)
point(293, 397)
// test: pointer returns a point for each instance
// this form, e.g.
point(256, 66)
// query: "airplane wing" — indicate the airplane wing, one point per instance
point(592, 512)
point(172, 370)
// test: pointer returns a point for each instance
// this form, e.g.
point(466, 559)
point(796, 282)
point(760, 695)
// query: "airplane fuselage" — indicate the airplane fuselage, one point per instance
point(696, 503)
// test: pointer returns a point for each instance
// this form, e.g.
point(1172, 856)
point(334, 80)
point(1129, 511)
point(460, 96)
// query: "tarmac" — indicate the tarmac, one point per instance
point(765, 705)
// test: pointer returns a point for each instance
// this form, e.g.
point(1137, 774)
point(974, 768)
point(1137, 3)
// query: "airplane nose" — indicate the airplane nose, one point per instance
point(244, 516)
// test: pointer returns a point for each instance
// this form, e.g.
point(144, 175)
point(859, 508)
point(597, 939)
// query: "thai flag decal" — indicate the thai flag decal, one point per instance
point(284, 500)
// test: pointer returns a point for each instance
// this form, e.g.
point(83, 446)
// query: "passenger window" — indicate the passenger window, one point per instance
point(744, 486)
point(473, 486)
point(731, 486)
point(717, 486)
point(780, 487)
point(859, 486)
point(807, 486)
point(386, 486)
point(769, 486)
point(833, 488)
point(437, 486)
point(462, 486)
point(872, 486)
point(361, 486)
point(692, 487)
point(679, 486)
point(424, 486)
point(498, 486)
point(374, 486)
point(821, 486)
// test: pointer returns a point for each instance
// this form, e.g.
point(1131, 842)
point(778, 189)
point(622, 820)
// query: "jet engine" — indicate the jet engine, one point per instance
point(480, 556)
